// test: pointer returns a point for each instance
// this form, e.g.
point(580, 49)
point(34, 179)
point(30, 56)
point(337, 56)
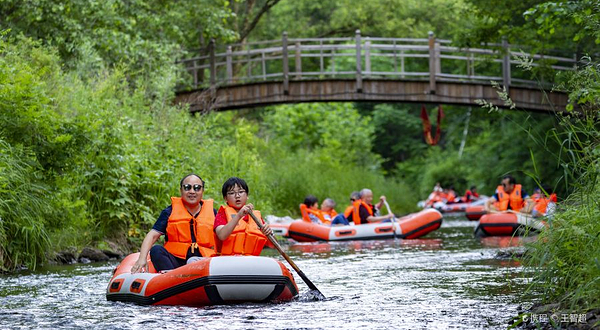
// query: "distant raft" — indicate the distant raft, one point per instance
point(475, 212)
point(411, 226)
point(211, 281)
point(508, 224)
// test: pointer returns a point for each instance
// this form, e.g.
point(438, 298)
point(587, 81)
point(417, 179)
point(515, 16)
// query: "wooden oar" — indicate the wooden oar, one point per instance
point(316, 293)
point(392, 219)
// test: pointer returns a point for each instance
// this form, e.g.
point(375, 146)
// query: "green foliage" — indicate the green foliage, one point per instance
point(335, 131)
point(387, 18)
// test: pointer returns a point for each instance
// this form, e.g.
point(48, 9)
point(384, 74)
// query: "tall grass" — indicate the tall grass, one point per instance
point(567, 256)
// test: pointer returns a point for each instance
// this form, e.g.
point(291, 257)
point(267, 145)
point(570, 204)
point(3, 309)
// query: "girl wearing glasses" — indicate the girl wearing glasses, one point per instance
point(237, 233)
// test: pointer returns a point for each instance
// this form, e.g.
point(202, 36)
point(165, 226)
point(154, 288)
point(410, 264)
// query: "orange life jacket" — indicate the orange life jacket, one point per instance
point(348, 211)
point(451, 196)
point(356, 211)
point(514, 199)
point(328, 216)
point(245, 239)
point(305, 210)
point(541, 204)
point(181, 224)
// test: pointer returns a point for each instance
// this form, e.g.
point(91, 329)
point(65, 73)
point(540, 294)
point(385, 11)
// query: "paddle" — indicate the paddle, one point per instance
point(316, 293)
point(392, 219)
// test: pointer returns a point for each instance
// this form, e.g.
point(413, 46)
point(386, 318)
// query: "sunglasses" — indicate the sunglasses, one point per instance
point(188, 187)
point(352, 200)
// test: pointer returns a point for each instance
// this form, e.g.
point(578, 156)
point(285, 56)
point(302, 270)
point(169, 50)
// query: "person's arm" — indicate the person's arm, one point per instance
point(379, 205)
point(488, 204)
point(529, 205)
point(224, 231)
point(372, 218)
point(141, 264)
point(364, 214)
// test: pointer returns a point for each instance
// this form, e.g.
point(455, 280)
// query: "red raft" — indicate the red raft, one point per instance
point(475, 212)
point(508, 224)
point(411, 226)
point(211, 281)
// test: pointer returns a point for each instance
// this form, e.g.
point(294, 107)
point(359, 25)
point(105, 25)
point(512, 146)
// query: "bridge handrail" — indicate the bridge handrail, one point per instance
point(365, 57)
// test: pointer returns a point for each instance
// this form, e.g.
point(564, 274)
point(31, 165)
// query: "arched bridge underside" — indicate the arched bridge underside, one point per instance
point(344, 90)
point(368, 69)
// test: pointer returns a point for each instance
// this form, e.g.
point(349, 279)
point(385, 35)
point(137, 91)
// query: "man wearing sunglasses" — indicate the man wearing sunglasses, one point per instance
point(509, 196)
point(188, 226)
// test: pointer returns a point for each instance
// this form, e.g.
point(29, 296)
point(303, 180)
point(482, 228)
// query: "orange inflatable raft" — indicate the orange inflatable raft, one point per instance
point(508, 224)
point(411, 226)
point(211, 281)
point(475, 212)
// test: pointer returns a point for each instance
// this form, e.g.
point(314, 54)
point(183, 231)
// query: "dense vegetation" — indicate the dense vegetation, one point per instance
point(91, 146)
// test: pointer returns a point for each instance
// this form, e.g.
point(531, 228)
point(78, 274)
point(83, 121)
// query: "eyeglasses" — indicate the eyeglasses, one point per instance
point(187, 187)
point(236, 193)
point(352, 200)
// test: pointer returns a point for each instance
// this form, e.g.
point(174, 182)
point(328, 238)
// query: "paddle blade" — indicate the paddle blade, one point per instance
point(312, 295)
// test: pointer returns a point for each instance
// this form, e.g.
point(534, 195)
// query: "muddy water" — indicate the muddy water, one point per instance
point(447, 280)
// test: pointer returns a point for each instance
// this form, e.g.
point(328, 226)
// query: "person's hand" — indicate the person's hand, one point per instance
point(391, 216)
point(140, 266)
point(382, 199)
point(245, 210)
point(267, 230)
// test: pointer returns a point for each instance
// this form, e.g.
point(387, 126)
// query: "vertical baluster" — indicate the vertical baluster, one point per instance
point(298, 61)
point(213, 67)
point(368, 57)
point(264, 66)
point(432, 62)
point(286, 65)
point(229, 65)
point(505, 64)
point(359, 86)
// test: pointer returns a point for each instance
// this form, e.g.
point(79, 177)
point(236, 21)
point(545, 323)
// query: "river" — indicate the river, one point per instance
point(447, 280)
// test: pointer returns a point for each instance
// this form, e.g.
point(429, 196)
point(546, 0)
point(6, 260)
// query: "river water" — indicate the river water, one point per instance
point(448, 280)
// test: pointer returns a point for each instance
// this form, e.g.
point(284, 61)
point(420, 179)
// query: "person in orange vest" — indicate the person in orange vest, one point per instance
point(509, 196)
point(471, 194)
point(328, 209)
point(545, 204)
point(310, 210)
point(451, 196)
point(187, 225)
point(364, 212)
point(236, 231)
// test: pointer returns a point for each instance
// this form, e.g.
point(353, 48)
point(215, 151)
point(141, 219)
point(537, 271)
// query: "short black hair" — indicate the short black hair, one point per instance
point(187, 176)
point(231, 183)
point(310, 200)
point(510, 178)
point(473, 187)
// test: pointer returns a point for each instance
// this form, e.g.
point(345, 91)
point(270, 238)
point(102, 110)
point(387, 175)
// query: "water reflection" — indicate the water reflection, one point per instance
point(359, 246)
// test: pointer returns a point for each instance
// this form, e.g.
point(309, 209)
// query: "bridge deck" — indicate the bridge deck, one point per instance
point(344, 90)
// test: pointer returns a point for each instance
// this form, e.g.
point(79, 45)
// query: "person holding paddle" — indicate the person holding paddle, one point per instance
point(187, 224)
point(236, 233)
point(364, 212)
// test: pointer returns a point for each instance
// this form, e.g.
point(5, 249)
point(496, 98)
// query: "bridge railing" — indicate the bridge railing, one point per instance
point(361, 58)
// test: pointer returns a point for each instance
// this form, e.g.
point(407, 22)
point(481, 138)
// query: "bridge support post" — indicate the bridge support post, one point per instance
point(213, 67)
point(286, 64)
point(359, 86)
point(506, 64)
point(432, 63)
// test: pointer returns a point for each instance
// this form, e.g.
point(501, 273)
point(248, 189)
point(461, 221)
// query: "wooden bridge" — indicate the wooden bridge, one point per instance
point(371, 70)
